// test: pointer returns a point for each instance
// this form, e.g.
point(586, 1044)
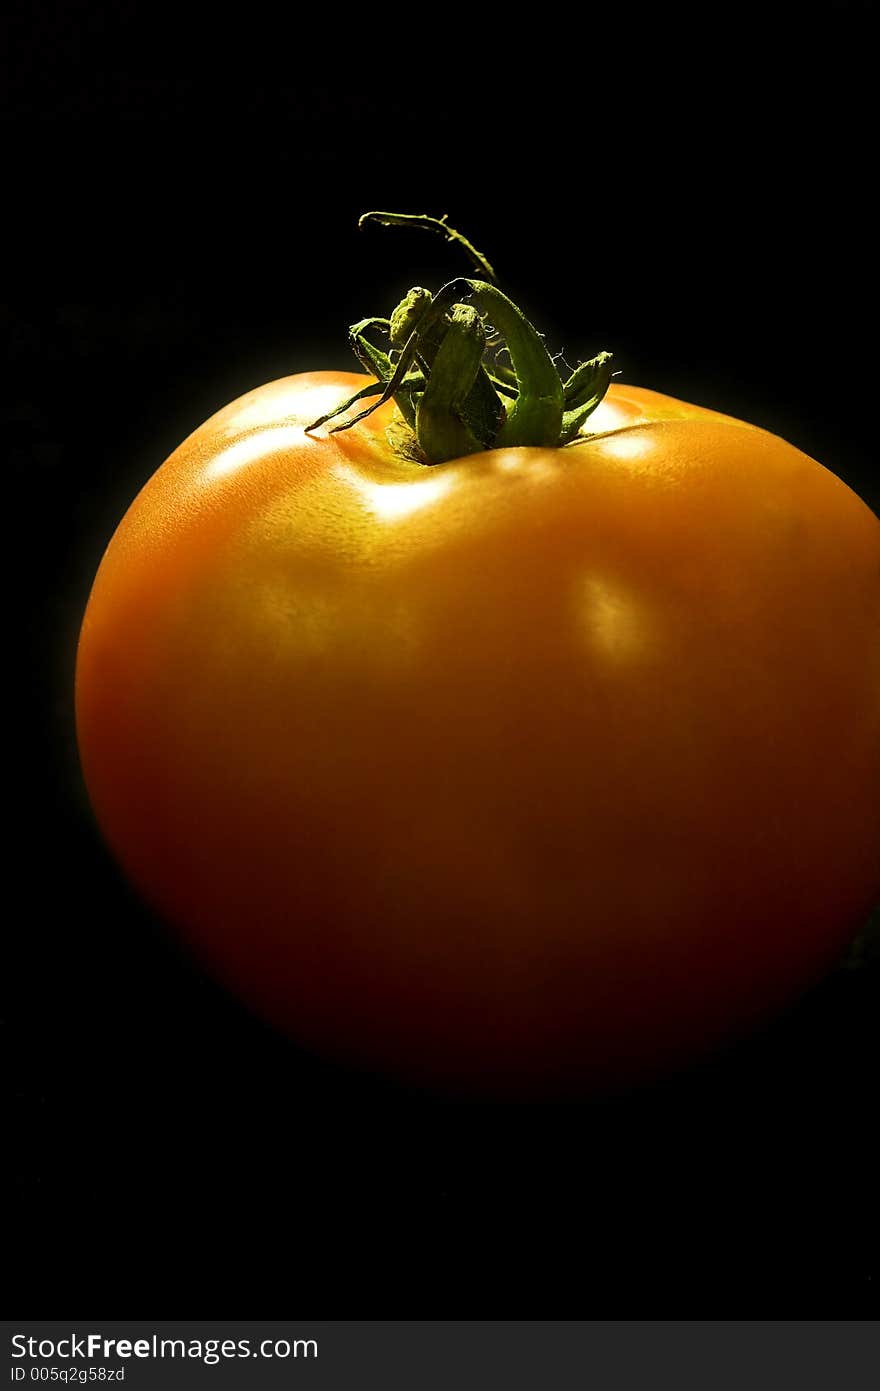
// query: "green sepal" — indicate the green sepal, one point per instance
point(582, 393)
point(482, 411)
point(381, 366)
point(442, 427)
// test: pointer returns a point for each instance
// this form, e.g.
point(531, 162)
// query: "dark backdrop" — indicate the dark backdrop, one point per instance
point(692, 193)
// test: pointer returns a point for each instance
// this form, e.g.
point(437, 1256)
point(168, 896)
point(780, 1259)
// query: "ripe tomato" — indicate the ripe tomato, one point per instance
point(536, 770)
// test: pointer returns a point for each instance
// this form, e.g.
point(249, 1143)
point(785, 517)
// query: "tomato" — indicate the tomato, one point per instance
point(534, 772)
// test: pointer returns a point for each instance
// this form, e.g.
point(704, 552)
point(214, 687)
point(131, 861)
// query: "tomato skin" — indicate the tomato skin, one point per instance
point(534, 772)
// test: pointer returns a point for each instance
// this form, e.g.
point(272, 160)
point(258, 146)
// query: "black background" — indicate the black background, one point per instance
point(691, 191)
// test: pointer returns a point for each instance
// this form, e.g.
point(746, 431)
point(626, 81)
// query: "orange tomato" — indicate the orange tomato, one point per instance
point(533, 772)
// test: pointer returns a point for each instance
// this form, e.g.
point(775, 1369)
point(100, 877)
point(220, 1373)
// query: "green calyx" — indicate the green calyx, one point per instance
point(444, 367)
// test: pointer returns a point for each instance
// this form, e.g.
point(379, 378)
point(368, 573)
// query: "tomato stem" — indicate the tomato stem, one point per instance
point(445, 373)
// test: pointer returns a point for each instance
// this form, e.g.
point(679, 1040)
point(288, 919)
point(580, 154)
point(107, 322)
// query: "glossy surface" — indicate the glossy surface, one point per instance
point(535, 770)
